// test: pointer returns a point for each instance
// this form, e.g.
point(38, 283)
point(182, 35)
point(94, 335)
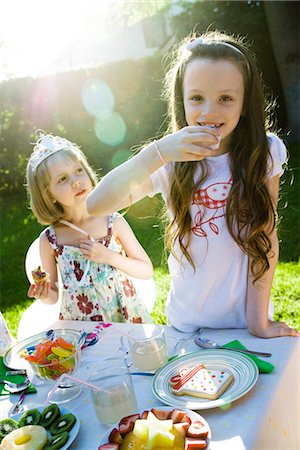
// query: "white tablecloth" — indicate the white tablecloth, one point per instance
point(266, 418)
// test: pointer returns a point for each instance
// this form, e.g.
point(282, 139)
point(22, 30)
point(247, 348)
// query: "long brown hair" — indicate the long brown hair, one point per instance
point(249, 211)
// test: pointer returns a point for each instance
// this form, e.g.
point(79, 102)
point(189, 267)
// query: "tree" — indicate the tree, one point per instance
point(283, 22)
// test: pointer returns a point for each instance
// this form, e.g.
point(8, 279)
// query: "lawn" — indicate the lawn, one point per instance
point(19, 229)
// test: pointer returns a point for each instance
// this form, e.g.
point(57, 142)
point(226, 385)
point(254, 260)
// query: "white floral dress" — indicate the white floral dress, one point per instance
point(93, 291)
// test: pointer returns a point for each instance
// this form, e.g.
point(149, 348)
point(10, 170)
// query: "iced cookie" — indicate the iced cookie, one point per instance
point(199, 381)
point(39, 276)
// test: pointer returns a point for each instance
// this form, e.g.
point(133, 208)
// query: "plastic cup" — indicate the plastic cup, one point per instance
point(148, 347)
point(117, 397)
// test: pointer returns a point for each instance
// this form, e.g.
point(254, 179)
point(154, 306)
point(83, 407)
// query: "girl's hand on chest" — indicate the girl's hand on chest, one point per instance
point(94, 251)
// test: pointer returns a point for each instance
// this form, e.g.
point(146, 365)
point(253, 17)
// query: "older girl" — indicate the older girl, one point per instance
point(221, 192)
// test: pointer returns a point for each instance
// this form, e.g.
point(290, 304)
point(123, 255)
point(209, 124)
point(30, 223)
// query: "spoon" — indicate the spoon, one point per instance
point(209, 344)
point(15, 387)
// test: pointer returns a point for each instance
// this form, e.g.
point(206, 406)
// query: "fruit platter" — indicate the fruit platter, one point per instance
point(42, 428)
point(159, 428)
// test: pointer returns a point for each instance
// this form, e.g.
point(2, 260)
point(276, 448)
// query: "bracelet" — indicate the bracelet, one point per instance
point(159, 153)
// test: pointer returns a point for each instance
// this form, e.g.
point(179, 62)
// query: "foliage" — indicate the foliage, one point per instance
point(244, 18)
point(54, 104)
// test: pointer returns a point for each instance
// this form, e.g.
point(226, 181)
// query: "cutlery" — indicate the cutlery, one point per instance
point(15, 387)
point(17, 407)
point(209, 344)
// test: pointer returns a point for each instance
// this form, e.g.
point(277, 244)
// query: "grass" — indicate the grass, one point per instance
point(19, 229)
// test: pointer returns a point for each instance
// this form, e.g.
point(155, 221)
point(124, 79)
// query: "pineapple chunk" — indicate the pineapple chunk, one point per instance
point(140, 430)
point(159, 438)
point(154, 432)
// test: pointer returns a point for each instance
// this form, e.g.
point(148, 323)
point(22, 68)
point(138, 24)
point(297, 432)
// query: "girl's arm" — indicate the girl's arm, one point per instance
point(130, 182)
point(137, 263)
point(46, 291)
point(258, 295)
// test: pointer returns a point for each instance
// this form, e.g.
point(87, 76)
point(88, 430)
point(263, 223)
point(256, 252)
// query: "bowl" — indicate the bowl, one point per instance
point(50, 358)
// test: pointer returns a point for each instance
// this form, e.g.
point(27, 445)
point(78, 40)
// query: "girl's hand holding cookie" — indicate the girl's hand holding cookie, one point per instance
point(94, 251)
point(191, 143)
point(39, 290)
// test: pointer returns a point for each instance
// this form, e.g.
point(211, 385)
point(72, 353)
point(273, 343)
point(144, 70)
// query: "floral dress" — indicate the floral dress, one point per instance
point(93, 291)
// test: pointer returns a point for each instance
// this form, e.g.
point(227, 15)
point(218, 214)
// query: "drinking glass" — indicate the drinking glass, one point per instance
point(117, 397)
point(148, 347)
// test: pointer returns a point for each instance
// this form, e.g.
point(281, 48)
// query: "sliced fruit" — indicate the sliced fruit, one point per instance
point(30, 417)
point(154, 432)
point(49, 415)
point(57, 441)
point(161, 414)
point(192, 443)
point(7, 426)
point(197, 429)
point(127, 423)
point(177, 415)
point(158, 438)
point(109, 447)
point(115, 437)
point(141, 430)
point(63, 423)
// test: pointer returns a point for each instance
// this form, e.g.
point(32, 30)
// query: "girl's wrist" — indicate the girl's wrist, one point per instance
point(158, 152)
point(151, 159)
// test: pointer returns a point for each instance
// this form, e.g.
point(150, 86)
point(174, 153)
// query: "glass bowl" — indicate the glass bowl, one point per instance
point(50, 358)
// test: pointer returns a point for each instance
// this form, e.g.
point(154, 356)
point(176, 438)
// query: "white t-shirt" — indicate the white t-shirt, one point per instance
point(214, 295)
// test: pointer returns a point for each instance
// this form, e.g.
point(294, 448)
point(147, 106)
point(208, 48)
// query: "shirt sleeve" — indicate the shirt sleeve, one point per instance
point(160, 181)
point(278, 156)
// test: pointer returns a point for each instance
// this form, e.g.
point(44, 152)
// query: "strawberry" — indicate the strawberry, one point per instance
point(160, 414)
point(127, 423)
point(115, 437)
point(177, 415)
point(191, 443)
point(186, 418)
point(197, 429)
point(145, 415)
point(109, 447)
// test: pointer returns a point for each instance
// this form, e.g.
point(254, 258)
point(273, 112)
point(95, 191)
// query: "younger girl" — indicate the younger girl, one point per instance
point(90, 252)
point(221, 193)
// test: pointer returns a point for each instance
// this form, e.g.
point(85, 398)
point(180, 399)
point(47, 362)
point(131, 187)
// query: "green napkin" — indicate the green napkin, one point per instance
point(14, 378)
point(263, 366)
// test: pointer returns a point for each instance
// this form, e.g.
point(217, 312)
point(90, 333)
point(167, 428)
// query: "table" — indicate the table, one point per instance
point(266, 418)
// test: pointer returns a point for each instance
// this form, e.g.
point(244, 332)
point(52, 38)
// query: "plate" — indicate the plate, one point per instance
point(192, 414)
point(72, 434)
point(243, 369)
point(12, 358)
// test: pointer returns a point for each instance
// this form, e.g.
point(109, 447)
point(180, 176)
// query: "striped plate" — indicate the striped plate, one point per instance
point(243, 369)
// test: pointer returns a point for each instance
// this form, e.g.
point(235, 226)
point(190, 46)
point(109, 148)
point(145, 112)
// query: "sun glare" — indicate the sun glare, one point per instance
point(39, 37)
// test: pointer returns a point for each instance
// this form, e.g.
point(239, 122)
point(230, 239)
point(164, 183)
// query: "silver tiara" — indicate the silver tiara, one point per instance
point(46, 146)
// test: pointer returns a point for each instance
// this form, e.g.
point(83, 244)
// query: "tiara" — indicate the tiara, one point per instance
point(46, 146)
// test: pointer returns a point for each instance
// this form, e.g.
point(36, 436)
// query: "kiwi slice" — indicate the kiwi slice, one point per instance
point(7, 426)
point(49, 414)
point(57, 441)
point(30, 417)
point(63, 423)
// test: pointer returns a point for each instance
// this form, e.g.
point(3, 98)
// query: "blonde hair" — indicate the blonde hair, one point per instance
point(41, 202)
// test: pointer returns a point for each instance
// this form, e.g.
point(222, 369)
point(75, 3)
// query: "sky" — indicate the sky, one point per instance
point(38, 37)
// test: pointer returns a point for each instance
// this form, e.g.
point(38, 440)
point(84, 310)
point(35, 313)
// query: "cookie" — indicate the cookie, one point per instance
point(199, 381)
